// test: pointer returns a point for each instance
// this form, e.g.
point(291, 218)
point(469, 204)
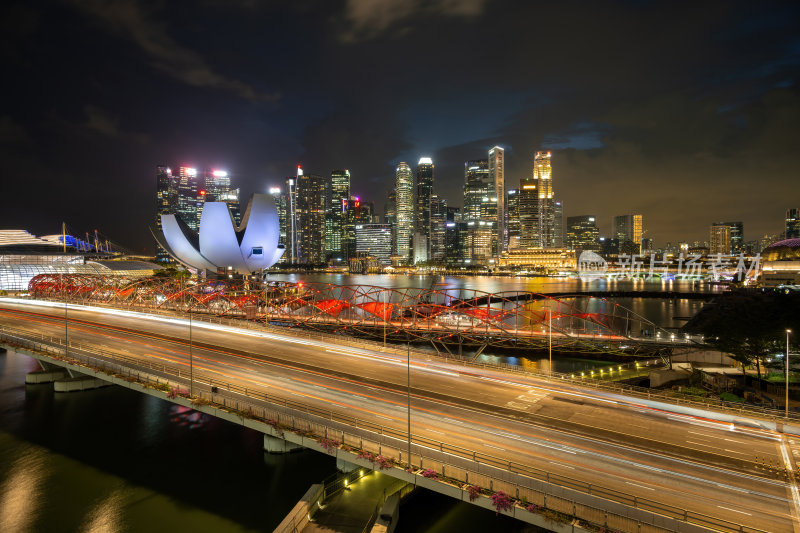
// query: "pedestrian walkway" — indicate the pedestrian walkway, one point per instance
point(353, 508)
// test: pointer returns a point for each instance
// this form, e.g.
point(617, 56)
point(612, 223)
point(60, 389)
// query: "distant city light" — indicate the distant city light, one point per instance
point(274, 190)
point(299, 170)
point(192, 172)
point(202, 193)
point(425, 161)
point(220, 174)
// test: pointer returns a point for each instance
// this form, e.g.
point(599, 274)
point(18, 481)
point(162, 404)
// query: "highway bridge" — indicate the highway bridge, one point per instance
point(577, 453)
point(448, 319)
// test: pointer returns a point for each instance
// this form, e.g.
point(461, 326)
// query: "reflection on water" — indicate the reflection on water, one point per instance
point(117, 460)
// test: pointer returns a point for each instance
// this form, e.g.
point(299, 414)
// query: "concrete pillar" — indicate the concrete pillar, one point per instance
point(344, 466)
point(388, 516)
point(45, 376)
point(78, 382)
point(276, 445)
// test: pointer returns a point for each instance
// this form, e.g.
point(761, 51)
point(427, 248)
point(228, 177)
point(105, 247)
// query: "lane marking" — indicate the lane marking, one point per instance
point(640, 486)
point(734, 510)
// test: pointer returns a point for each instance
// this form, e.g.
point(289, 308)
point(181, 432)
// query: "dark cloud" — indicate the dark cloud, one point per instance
point(685, 112)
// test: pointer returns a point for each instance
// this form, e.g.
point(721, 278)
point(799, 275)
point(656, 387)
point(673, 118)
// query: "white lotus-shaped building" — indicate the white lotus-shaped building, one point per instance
point(220, 245)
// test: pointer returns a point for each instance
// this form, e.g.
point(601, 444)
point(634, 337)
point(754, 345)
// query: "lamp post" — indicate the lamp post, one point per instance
point(550, 339)
point(385, 307)
point(191, 368)
point(788, 332)
point(408, 394)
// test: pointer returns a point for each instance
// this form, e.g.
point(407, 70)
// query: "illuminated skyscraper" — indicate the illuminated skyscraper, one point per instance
point(404, 209)
point(337, 209)
point(424, 192)
point(792, 230)
point(306, 202)
point(437, 234)
point(166, 202)
point(476, 188)
point(188, 202)
point(512, 219)
point(498, 181)
point(528, 214)
point(545, 215)
point(218, 189)
point(558, 224)
point(582, 233)
point(628, 231)
point(720, 239)
point(280, 203)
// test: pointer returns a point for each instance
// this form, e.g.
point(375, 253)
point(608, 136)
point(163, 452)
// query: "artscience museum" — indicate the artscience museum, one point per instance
point(220, 247)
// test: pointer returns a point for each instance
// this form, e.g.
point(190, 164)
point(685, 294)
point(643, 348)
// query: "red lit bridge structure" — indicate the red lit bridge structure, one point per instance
point(446, 318)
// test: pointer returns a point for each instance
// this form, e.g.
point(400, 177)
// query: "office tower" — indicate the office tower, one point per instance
point(390, 209)
point(337, 211)
point(280, 204)
point(720, 239)
point(628, 231)
point(545, 214)
point(454, 214)
point(528, 209)
point(480, 240)
point(436, 246)
point(305, 217)
point(737, 236)
point(512, 220)
point(476, 188)
point(217, 187)
point(558, 224)
point(454, 242)
point(357, 213)
point(374, 240)
point(188, 203)
point(166, 202)
point(404, 210)
point(498, 194)
point(582, 233)
point(424, 192)
point(792, 229)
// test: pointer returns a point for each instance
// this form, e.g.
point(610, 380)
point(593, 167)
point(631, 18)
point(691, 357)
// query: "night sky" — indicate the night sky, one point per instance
point(685, 112)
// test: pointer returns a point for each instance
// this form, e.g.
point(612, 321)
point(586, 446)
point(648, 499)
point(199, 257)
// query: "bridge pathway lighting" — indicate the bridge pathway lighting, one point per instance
point(788, 332)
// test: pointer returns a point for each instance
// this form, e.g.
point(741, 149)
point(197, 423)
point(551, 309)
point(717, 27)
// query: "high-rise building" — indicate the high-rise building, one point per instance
point(166, 202)
point(188, 191)
point(280, 204)
point(476, 189)
point(558, 224)
point(404, 202)
point(217, 188)
point(545, 215)
point(374, 240)
point(305, 217)
point(528, 214)
point(792, 229)
point(337, 211)
point(358, 213)
point(498, 181)
point(737, 236)
point(582, 233)
point(628, 230)
point(437, 234)
point(512, 219)
point(390, 209)
point(424, 193)
point(720, 239)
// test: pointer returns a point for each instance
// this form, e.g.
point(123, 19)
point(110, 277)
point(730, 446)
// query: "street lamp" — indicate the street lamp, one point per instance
point(788, 332)
point(550, 339)
point(191, 369)
point(408, 393)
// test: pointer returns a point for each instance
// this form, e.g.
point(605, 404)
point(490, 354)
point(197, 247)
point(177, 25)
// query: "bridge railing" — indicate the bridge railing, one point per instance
point(552, 493)
point(664, 396)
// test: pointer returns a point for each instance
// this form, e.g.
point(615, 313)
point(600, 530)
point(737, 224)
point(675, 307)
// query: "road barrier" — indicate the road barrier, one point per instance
point(564, 497)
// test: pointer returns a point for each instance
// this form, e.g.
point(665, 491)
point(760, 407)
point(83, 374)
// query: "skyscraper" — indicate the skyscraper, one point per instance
point(280, 203)
point(528, 213)
point(558, 224)
point(436, 243)
point(305, 217)
point(374, 240)
point(217, 188)
point(628, 231)
point(498, 181)
point(512, 219)
point(404, 210)
point(424, 192)
point(476, 188)
point(792, 230)
point(737, 236)
point(188, 203)
point(582, 233)
point(337, 210)
point(166, 202)
point(720, 239)
point(545, 215)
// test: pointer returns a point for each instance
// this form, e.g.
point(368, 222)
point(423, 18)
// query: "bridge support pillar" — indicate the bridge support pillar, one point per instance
point(344, 466)
point(45, 376)
point(78, 382)
point(276, 445)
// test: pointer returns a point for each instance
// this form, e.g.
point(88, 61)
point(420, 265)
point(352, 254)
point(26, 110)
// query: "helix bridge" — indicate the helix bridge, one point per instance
point(447, 318)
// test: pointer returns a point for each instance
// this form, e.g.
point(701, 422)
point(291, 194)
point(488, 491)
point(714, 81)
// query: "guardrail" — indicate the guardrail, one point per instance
point(453, 464)
point(663, 396)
